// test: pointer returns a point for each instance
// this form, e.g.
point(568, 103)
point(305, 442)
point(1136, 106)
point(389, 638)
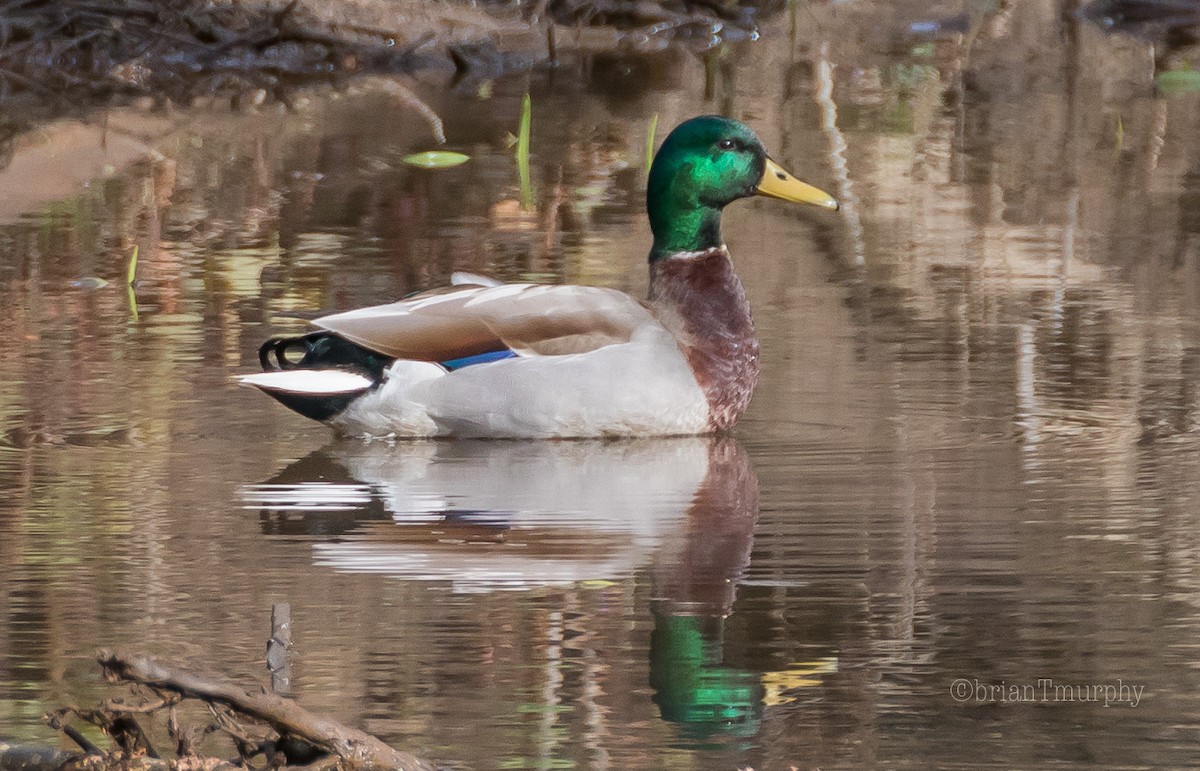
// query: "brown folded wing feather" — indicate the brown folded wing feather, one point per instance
point(468, 320)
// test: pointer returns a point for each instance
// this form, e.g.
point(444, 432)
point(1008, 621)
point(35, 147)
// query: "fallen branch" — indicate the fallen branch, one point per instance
point(352, 747)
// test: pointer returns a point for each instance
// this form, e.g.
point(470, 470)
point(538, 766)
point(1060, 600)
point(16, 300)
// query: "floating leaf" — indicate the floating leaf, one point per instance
point(89, 282)
point(436, 159)
point(1178, 81)
point(538, 708)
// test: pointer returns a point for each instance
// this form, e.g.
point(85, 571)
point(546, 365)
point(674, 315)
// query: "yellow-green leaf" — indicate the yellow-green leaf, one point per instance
point(435, 159)
point(1178, 81)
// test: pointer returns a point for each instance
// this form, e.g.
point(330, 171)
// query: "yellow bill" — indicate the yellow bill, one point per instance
point(777, 183)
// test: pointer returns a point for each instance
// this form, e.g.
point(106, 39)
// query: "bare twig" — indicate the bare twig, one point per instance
point(283, 15)
point(167, 700)
point(123, 729)
point(411, 100)
point(247, 745)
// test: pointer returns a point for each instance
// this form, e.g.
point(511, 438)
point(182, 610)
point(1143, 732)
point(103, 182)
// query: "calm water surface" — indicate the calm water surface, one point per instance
point(973, 460)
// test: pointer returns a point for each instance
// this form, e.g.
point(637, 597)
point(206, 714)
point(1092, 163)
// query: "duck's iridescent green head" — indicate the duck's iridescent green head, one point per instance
point(704, 164)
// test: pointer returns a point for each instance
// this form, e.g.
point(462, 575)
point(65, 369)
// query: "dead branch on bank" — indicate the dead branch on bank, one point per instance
point(179, 48)
point(261, 725)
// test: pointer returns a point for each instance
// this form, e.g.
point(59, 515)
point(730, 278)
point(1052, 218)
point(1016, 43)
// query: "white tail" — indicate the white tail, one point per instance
point(316, 382)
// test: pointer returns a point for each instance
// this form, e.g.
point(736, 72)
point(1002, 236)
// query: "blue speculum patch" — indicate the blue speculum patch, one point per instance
point(479, 358)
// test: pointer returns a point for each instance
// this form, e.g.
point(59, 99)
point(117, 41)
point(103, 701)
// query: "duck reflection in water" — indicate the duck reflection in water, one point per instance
point(695, 585)
point(488, 516)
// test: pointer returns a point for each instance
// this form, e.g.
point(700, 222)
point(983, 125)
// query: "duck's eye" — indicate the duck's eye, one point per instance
point(727, 144)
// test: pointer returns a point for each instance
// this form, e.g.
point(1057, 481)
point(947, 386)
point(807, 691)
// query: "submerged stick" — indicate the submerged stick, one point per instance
point(279, 648)
point(82, 741)
point(16, 756)
point(358, 748)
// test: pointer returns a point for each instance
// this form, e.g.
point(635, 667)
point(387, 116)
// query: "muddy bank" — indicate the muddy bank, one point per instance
point(65, 57)
point(58, 51)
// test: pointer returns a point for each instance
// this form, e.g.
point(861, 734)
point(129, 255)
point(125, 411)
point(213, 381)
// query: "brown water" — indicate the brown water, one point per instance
point(973, 456)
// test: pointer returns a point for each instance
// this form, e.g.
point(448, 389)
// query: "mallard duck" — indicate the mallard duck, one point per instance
point(484, 359)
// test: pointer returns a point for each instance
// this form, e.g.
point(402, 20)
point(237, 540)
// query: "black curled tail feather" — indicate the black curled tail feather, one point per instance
point(321, 350)
point(278, 347)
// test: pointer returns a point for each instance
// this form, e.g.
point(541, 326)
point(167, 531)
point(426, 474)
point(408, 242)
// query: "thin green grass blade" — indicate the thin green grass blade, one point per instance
point(130, 277)
point(523, 154)
point(131, 272)
point(650, 132)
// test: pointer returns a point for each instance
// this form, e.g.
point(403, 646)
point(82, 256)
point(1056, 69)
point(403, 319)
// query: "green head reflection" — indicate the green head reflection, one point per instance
point(694, 688)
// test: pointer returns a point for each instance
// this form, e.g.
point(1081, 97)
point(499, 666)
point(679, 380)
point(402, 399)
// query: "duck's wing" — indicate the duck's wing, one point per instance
point(532, 319)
